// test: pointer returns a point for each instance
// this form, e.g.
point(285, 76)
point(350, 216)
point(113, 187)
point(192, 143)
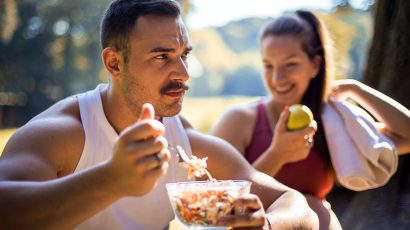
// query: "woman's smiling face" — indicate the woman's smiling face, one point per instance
point(287, 68)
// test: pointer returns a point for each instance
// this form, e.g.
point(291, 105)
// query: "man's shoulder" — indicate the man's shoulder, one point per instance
point(55, 135)
point(62, 116)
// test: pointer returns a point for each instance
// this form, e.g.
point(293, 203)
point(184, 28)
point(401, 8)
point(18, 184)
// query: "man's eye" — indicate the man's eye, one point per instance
point(185, 55)
point(161, 57)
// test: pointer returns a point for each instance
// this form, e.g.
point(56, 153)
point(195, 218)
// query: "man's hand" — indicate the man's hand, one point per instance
point(248, 213)
point(140, 155)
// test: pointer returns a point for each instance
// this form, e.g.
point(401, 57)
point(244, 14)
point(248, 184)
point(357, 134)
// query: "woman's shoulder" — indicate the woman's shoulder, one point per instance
point(238, 118)
point(245, 111)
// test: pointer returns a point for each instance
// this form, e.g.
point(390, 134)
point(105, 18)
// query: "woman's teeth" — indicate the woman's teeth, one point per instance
point(283, 89)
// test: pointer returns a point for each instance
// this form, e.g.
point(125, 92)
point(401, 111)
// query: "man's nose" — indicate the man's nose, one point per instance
point(181, 70)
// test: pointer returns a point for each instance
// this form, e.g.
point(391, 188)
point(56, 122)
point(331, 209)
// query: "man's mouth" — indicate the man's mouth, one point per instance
point(174, 89)
point(175, 93)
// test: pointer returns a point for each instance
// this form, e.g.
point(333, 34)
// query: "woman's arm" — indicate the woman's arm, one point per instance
point(286, 146)
point(287, 209)
point(236, 127)
point(395, 118)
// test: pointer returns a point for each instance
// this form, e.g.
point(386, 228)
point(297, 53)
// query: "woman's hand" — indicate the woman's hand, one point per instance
point(341, 89)
point(292, 145)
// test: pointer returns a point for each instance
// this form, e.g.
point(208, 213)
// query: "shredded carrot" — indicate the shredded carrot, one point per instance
point(204, 207)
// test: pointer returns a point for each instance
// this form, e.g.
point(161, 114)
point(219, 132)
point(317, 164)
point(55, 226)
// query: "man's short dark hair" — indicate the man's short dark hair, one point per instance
point(121, 16)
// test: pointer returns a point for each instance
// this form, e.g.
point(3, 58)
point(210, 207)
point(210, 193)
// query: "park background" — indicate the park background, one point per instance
point(49, 49)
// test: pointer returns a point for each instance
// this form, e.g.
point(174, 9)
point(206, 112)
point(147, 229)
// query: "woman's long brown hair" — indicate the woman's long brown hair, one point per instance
point(315, 42)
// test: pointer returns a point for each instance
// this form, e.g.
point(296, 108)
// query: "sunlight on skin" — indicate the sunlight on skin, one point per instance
point(5, 134)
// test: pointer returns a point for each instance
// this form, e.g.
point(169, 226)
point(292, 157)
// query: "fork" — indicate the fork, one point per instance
point(181, 153)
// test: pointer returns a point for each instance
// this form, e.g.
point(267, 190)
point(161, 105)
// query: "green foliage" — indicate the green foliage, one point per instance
point(241, 36)
point(351, 31)
point(244, 81)
point(232, 63)
point(52, 53)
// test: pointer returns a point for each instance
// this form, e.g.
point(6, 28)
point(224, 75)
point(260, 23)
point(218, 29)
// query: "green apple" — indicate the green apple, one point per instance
point(300, 117)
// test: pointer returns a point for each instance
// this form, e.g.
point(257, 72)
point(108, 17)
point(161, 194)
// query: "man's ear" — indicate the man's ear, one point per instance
point(112, 61)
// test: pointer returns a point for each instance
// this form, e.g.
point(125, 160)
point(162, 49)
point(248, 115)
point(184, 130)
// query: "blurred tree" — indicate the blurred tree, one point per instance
point(216, 52)
point(224, 50)
point(349, 4)
point(242, 34)
point(186, 6)
point(9, 19)
point(342, 34)
point(245, 81)
point(389, 56)
point(49, 49)
point(387, 70)
point(342, 4)
point(51, 54)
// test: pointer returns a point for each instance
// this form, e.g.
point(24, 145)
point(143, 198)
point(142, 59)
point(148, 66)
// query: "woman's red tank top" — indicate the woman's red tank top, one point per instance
point(309, 176)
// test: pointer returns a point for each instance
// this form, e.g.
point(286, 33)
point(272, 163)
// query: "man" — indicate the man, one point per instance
point(100, 160)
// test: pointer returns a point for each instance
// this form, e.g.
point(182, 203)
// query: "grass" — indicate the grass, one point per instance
point(203, 113)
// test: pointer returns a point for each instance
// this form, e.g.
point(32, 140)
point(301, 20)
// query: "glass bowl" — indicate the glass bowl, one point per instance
point(199, 204)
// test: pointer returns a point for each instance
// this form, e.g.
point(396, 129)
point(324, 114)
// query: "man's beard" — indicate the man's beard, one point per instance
point(135, 95)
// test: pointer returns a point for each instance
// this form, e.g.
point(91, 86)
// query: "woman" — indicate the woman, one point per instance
point(297, 70)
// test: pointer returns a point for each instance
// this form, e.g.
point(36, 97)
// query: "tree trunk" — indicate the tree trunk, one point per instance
point(388, 70)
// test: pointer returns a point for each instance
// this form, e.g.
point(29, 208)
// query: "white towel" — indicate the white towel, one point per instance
point(362, 157)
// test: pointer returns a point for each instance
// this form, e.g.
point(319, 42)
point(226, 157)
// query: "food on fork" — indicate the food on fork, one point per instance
point(196, 166)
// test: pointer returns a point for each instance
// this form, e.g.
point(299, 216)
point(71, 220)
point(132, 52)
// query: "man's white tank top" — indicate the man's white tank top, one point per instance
point(151, 211)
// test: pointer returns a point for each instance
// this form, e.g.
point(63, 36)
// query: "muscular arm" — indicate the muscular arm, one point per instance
point(38, 189)
point(286, 207)
point(55, 204)
point(33, 193)
point(394, 116)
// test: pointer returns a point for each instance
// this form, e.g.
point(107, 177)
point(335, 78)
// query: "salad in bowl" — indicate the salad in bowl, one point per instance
point(199, 204)
point(202, 203)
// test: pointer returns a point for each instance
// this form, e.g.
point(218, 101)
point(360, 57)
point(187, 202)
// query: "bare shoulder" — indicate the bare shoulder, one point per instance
point(48, 146)
point(243, 112)
point(237, 124)
point(241, 116)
